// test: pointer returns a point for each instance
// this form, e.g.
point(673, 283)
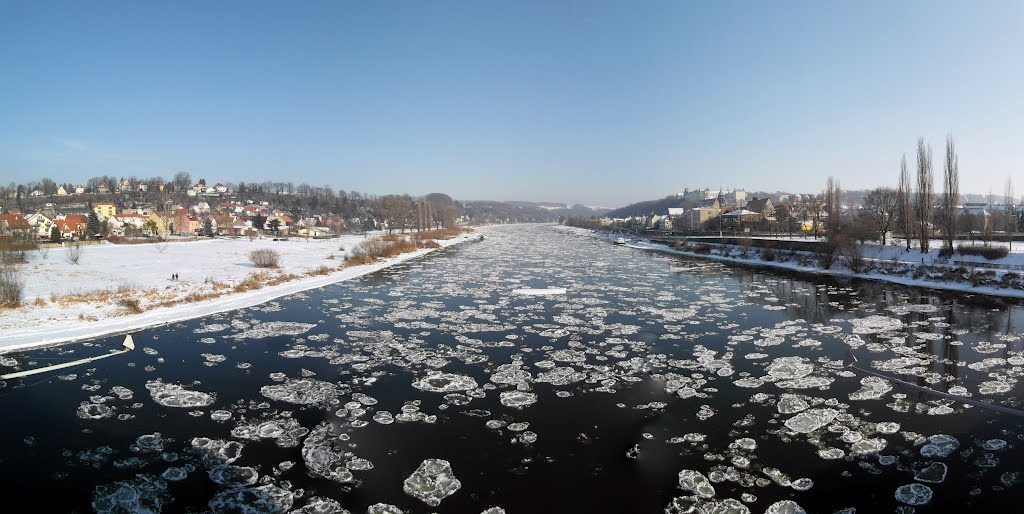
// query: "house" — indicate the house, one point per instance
point(37, 193)
point(156, 225)
point(125, 186)
point(105, 210)
point(70, 229)
point(185, 225)
point(694, 219)
point(126, 224)
point(41, 225)
point(235, 228)
point(79, 190)
point(735, 198)
point(220, 188)
point(77, 219)
point(61, 191)
point(762, 206)
point(142, 187)
point(14, 224)
point(201, 208)
point(102, 189)
point(697, 195)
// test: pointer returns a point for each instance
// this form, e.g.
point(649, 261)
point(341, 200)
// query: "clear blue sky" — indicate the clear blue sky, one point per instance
point(603, 103)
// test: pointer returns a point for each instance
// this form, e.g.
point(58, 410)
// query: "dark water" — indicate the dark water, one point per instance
point(648, 366)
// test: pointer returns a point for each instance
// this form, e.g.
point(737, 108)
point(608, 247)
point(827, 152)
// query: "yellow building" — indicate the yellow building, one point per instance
point(155, 221)
point(105, 210)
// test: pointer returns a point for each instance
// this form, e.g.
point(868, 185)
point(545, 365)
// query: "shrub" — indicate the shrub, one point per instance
point(11, 287)
point(767, 254)
point(265, 258)
point(73, 252)
point(384, 247)
point(131, 305)
point(702, 249)
point(988, 252)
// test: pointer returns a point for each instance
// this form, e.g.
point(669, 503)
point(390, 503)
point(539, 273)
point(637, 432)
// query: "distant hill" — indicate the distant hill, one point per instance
point(517, 211)
point(647, 207)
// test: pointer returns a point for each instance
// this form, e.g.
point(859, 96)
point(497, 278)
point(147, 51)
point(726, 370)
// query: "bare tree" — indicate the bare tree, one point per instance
point(1011, 223)
point(833, 206)
point(882, 204)
point(73, 252)
point(182, 181)
point(906, 205)
point(924, 202)
point(950, 194)
point(816, 209)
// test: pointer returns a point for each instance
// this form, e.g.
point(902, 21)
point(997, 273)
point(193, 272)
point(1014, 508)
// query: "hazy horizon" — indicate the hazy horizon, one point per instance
point(598, 103)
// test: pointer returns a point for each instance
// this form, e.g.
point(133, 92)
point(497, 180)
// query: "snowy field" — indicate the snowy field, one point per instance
point(65, 302)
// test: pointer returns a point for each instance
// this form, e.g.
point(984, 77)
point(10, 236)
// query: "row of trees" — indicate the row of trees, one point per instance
point(914, 209)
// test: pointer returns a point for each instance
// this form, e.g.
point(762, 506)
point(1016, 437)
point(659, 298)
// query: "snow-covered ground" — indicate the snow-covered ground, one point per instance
point(66, 302)
point(889, 263)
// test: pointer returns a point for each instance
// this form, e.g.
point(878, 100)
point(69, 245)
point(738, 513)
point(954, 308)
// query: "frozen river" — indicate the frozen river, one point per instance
point(468, 380)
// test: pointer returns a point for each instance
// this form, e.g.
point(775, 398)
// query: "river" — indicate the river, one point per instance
point(654, 382)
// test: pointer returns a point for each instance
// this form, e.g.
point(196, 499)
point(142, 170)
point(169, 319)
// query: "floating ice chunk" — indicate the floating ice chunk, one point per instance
point(146, 493)
point(875, 324)
point(150, 442)
point(217, 451)
point(122, 393)
point(940, 445)
point(749, 382)
point(325, 455)
point(811, 420)
point(220, 415)
point(518, 398)
point(887, 427)
point(746, 443)
point(805, 383)
point(993, 445)
point(934, 473)
point(321, 505)
point(696, 482)
point(303, 391)
point(384, 508)
point(802, 484)
point(273, 329)
point(901, 310)
point(561, 376)
point(791, 404)
point(87, 410)
point(511, 376)
point(432, 482)
point(384, 417)
point(439, 382)
point(174, 474)
point(872, 388)
point(212, 327)
point(493, 510)
point(540, 292)
point(173, 395)
point(914, 494)
point(785, 507)
point(831, 453)
point(285, 431)
point(233, 476)
point(265, 498)
point(784, 368)
point(868, 446)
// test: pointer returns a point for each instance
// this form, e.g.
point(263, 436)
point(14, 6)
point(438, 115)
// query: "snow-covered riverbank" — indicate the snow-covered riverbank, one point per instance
point(887, 263)
point(64, 302)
